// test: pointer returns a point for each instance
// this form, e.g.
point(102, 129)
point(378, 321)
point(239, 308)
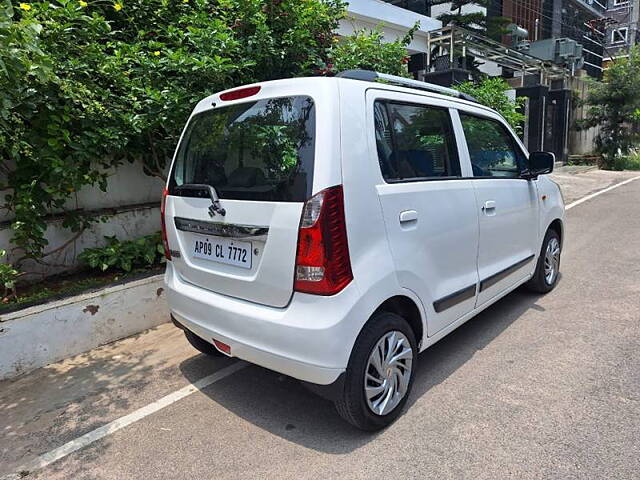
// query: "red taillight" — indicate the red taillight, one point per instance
point(165, 242)
point(323, 266)
point(239, 93)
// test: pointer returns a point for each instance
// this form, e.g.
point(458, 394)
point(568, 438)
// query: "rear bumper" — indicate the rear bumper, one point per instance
point(310, 339)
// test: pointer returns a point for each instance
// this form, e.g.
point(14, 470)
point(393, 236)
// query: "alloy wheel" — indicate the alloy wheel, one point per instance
point(551, 261)
point(388, 372)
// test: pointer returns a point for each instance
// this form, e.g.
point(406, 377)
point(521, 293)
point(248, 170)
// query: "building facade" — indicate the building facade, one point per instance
point(579, 20)
point(622, 29)
point(548, 98)
point(418, 6)
point(393, 20)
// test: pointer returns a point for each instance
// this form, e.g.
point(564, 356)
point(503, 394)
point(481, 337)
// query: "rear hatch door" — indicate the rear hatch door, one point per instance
point(258, 156)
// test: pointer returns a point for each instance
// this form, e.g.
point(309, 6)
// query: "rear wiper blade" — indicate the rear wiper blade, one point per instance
point(202, 187)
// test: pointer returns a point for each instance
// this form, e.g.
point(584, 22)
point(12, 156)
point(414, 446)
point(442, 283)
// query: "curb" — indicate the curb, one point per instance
point(575, 169)
point(37, 336)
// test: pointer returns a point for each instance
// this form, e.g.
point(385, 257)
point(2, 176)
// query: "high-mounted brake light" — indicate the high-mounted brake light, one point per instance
point(165, 241)
point(239, 93)
point(323, 266)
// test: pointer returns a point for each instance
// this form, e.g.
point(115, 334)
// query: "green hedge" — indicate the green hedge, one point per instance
point(87, 85)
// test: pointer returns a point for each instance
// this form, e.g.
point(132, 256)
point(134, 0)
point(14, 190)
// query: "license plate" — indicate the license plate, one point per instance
point(223, 250)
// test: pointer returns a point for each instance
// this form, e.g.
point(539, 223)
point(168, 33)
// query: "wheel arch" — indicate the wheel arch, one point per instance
point(557, 226)
point(409, 309)
point(404, 304)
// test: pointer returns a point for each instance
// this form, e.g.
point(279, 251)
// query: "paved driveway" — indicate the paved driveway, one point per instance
point(534, 387)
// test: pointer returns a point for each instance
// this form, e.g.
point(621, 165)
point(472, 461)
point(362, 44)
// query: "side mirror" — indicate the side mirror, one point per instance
point(540, 163)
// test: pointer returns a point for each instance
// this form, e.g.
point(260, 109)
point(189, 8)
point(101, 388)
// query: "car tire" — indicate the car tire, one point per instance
point(545, 278)
point(395, 380)
point(202, 345)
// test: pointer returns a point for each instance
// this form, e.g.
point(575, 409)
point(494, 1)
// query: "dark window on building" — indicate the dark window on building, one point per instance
point(419, 6)
point(620, 35)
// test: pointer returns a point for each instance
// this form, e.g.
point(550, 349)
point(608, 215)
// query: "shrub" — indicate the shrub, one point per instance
point(626, 162)
point(8, 277)
point(88, 85)
point(614, 106)
point(125, 255)
point(367, 50)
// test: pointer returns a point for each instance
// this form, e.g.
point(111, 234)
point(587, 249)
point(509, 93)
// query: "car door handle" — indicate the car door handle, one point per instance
point(489, 205)
point(408, 216)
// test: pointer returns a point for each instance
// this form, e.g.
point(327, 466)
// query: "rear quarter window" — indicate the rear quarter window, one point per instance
point(260, 150)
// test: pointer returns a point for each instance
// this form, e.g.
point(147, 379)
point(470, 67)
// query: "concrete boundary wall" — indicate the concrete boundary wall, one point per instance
point(581, 142)
point(126, 223)
point(130, 207)
point(43, 334)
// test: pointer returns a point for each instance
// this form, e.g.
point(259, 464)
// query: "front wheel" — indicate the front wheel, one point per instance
point(380, 373)
point(547, 271)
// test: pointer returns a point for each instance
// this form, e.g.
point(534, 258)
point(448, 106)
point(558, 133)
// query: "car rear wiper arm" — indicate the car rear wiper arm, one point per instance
point(213, 195)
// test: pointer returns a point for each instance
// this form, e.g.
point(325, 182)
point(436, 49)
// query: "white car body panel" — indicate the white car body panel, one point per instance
point(551, 205)
point(274, 260)
point(310, 337)
point(435, 253)
point(507, 233)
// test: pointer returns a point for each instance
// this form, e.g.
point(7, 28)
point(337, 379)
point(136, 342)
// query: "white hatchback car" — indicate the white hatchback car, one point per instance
point(332, 228)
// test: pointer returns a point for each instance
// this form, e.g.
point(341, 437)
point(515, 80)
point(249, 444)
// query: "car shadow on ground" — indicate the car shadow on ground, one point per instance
point(284, 407)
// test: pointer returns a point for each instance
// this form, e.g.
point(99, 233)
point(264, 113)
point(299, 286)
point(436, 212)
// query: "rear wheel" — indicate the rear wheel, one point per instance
point(380, 373)
point(202, 345)
point(547, 271)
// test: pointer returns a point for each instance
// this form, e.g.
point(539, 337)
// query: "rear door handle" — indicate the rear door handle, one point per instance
point(408, 216)
point(489, 206)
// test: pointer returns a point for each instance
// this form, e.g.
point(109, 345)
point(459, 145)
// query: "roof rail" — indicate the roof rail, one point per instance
point(370, 76)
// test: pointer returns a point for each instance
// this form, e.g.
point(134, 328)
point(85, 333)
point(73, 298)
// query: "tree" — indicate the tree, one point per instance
point(614, 106)
point(475, 21)
point(86, 85)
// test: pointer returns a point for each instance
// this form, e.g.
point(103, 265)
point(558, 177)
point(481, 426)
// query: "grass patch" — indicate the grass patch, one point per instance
point(63, 286)
point(584, 160)
point(627, 162)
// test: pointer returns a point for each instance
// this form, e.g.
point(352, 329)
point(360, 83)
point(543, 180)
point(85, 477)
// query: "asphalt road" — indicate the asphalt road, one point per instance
point(534, 387)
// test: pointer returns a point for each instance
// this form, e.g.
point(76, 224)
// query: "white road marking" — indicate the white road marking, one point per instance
point(599, 192)
point(101, 432)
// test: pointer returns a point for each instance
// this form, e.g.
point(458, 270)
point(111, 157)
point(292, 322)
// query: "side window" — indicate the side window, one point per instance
point(492, 150)
point(414, 142)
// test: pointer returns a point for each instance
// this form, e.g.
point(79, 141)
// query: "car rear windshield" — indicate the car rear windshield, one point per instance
point(261, 150)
